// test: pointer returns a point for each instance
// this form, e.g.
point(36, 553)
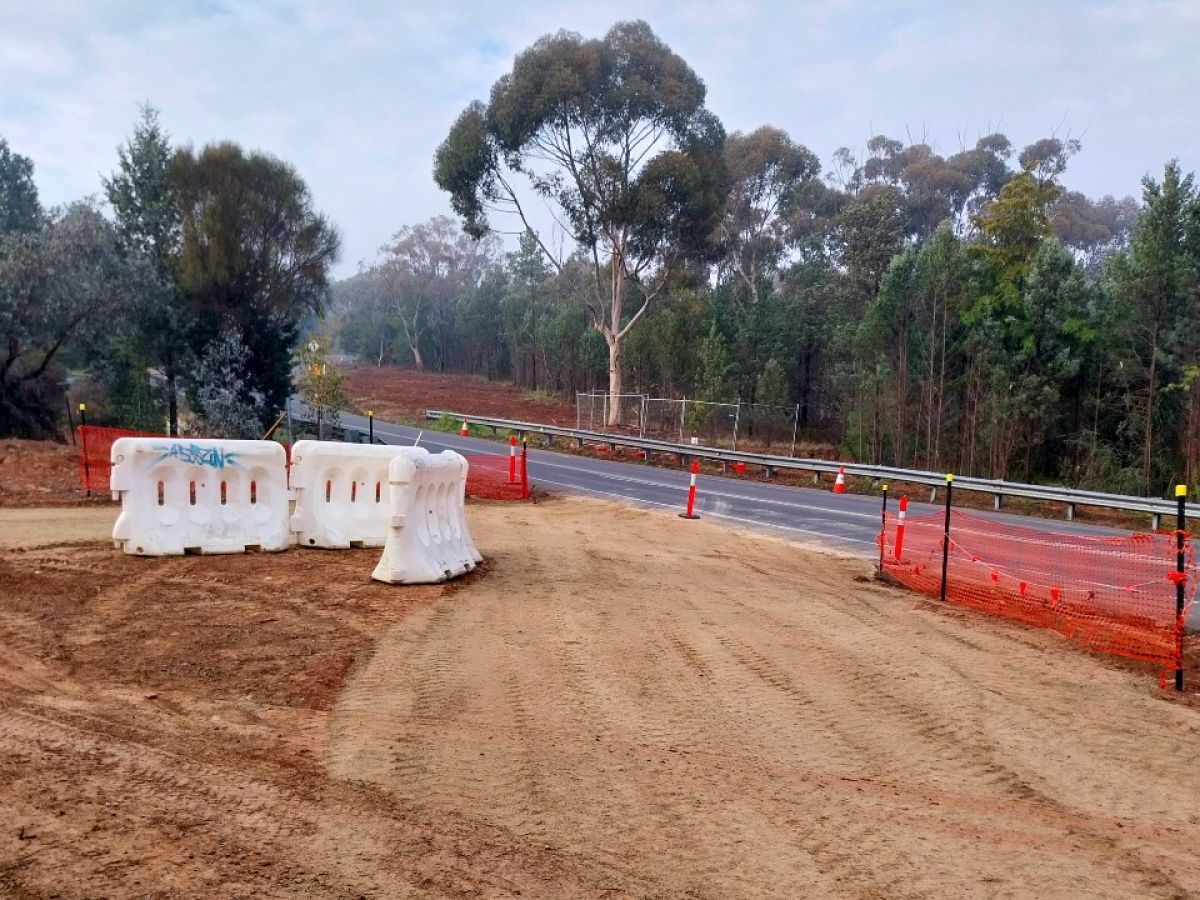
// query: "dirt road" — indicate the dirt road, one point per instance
point(37, 527)
point(626, 705)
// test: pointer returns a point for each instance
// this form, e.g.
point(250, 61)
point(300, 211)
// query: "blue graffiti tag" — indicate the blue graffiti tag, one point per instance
point(195, 455)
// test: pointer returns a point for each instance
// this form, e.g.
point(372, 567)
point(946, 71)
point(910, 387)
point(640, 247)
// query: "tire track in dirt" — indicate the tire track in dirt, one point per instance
point(329, 841)
point(953, 737)
point(697, 728)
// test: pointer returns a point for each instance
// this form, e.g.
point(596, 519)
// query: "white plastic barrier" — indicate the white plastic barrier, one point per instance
point(342, 494)
point(180, 495)
point(428, 539)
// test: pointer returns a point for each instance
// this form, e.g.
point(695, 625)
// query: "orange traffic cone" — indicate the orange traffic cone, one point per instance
point(463, 432)
point(839, 484)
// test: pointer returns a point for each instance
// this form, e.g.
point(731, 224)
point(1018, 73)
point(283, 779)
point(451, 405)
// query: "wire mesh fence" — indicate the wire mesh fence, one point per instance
point(729, 426)
point(767, 428)
point(594, 411)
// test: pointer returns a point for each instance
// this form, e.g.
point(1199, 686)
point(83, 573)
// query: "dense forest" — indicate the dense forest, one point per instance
point(961, 311)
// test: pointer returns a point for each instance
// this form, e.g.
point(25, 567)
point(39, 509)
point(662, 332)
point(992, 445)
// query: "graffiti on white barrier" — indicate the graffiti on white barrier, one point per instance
point(196, 455)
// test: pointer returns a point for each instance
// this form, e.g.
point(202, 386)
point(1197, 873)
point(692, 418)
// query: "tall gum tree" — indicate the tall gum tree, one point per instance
point(767, 173)
point(612, 135)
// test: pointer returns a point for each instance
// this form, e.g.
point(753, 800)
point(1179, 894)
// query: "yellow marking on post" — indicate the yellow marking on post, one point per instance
point(949, 477)
point(885, 487)
point(1181, 490)
point(83, 407)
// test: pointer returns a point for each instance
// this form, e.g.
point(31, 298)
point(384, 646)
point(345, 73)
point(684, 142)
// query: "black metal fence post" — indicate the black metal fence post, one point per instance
point(946, 534)
point(371, 426)
point(1180, 526)
point(87, 469)
point(883, 528)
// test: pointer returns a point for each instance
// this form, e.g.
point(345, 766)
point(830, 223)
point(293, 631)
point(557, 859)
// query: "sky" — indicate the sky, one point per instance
point(358, 95)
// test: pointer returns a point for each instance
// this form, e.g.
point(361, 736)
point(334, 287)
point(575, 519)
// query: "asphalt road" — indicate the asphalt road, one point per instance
point(847, 522)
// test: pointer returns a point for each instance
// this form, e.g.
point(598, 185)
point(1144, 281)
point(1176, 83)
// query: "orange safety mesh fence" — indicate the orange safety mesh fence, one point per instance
point(488, 479)
point(95, 453)
point(1111, 594)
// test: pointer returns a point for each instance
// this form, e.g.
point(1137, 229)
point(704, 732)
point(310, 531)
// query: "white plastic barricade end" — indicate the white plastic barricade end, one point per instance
point(428, 539)
point(182, 495)
point(342, 494)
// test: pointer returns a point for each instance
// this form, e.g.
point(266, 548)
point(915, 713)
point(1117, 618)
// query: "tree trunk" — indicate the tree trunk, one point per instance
point(172, 402)
point(941, 399)
point(613, 334)
point(1146, 454)
point(1191, 441)
point(614, 380)
point(930, 381)
point(901, 395)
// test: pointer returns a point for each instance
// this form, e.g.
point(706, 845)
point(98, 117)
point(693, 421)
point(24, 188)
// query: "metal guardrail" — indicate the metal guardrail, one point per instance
point(999, 489)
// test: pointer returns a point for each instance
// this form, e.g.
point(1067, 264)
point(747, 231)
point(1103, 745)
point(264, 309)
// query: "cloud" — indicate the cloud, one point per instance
point(358, 95)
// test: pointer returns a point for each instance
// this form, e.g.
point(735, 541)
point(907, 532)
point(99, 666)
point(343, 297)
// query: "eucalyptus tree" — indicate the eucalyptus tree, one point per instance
point(423, 272)
point(612, 135)
point(768, 173)
point(58, 284)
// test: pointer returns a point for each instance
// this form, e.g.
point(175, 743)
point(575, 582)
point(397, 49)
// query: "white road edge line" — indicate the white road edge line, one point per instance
point(715, 515)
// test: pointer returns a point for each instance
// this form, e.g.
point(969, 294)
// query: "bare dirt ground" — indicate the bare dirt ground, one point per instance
point(624, 704)
point(41, 473)
point(405, 394)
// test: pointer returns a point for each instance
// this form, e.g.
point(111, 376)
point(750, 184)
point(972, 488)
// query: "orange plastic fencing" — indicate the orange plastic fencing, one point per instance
point(95, 454)
point(488, 479)
point(1111, 594)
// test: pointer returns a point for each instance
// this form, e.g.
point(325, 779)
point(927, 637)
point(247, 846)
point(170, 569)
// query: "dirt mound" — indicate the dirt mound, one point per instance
point(405, 394)
point(41, 473)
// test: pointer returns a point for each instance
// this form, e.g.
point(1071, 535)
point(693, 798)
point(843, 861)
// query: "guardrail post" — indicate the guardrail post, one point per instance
point(1180, 577)
point(933, 494)
point(768, 471)
point(946, 534)
point(1155, 521)
point(997, 500)
point(1070, 512)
